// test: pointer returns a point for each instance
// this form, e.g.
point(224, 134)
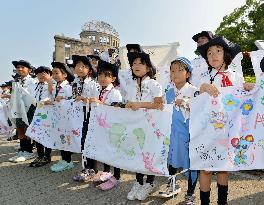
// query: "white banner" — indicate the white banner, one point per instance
point(58, 126)
point(4, 127)
point(136, 141)
point(227, 131)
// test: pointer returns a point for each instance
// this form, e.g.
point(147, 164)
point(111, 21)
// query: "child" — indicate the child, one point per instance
point(143, 92)
point(62, 75)
point(23, 69)
point(180, 94)
point(108, 79)
point(218, 53)
point(41, 93)
point(94, 60)
point(83, 88)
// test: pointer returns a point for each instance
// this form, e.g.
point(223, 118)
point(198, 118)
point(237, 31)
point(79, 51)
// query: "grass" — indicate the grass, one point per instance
point(250, 79)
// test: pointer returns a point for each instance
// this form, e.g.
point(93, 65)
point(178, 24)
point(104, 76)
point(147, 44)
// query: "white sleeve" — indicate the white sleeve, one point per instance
point(116, 96)
point(156, 89)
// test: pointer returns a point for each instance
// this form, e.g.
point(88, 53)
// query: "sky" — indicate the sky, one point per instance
point(27, 27)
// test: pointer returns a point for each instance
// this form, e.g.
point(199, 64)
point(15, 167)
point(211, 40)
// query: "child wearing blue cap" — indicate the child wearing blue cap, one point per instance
point(179, 95)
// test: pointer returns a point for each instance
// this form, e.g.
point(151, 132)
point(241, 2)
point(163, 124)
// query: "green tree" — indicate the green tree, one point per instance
point(244, 26)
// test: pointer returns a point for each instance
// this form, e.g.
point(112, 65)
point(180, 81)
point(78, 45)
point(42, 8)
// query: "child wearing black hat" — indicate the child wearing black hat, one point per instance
point(218, 52)
point(62, 74)
point(23, 69)
point(41, 93)
point(143, 92)
point(83, 88)
point(108, 79)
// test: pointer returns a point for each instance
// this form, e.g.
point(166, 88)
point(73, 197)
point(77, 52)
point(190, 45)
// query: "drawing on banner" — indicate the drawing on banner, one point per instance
point(127, 137)
point(218, 119)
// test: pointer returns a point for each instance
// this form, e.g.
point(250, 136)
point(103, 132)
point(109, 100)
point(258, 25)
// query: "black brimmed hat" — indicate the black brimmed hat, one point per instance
point(105, 66)
point(207, 34)
point(137, 47)
point(23, 63)
point(95, 56)
point(42, 69)
point(232, 48)
point(65, 68)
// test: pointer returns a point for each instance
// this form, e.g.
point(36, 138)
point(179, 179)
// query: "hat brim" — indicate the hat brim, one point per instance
point(133, 46)
point(230, 47)
point(25, 64)
point(207, 34)
point(70, 76)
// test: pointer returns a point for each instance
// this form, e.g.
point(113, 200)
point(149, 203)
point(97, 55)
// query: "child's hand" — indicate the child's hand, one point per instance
point(5, 96)
point(179, 102)
point(79, 98)
point(94, 100)
point(48, 102)
point(159, 106)
point(47, 77)
point(248, 86)
point(210, 89)
point(85, 100)
point(133, 105)
point(58, 98)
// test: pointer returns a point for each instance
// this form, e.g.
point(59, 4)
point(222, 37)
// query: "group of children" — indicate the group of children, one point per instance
point(96, 81)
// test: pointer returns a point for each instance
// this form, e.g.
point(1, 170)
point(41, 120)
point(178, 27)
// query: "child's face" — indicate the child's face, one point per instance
point(57, 75)
point(42, 77)
point(202, 40)
point(139, 69)
point(105, 80)
point(81, 69)
point(215, 56)
point(22, 70)
point(178, 74)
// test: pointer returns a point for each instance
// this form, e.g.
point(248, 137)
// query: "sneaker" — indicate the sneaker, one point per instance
point(132, 194)
point(109, 184)
point(82, 176)
point(169, 192)
point(19, 154)
point(101, 178)
point(25, 156)
point(43, 161)
point(189, 199)
point(144, 191)
point(62, 166)
point(32, 164)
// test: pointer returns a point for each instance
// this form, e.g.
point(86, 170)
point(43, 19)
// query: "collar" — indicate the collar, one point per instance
point(64, 83)
point(186, 86)
point(109, 87)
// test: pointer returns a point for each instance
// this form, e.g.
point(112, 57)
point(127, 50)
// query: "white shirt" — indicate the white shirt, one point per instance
point(40, 92)
point(63, 90)
point(150, 89)
point(90, 88)
point(236, 78)
point(27, 82)
point(185, 93)
point(110, 94)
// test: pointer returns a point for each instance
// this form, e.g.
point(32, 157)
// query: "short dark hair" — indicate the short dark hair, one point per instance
point(149, 73)
point(109, 73)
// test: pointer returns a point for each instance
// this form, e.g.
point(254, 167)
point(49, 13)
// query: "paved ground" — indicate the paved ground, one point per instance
point(20, 184)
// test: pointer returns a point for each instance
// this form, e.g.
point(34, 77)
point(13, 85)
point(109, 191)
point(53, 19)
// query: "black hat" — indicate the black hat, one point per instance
point(43, 69)
point(232, 48)
point(86, 61)
point(65, 68)
point(9, 83)
point(95, 56)
point(144, 56)
point(137, 47)
point(262, 64)
point(105, 66)
point(23, 63)
point(207, 34)
point(3, 85)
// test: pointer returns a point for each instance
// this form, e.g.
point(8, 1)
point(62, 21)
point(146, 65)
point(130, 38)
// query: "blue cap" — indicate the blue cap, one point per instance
point(186, 62)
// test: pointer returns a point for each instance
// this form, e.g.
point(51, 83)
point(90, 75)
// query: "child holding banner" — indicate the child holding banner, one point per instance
point(108, 79)
point(83, 88)
point(61, 73)
point(41, 93)
point(143, 92)
point(219, 53)
point(180, 94)
point(23, 69)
